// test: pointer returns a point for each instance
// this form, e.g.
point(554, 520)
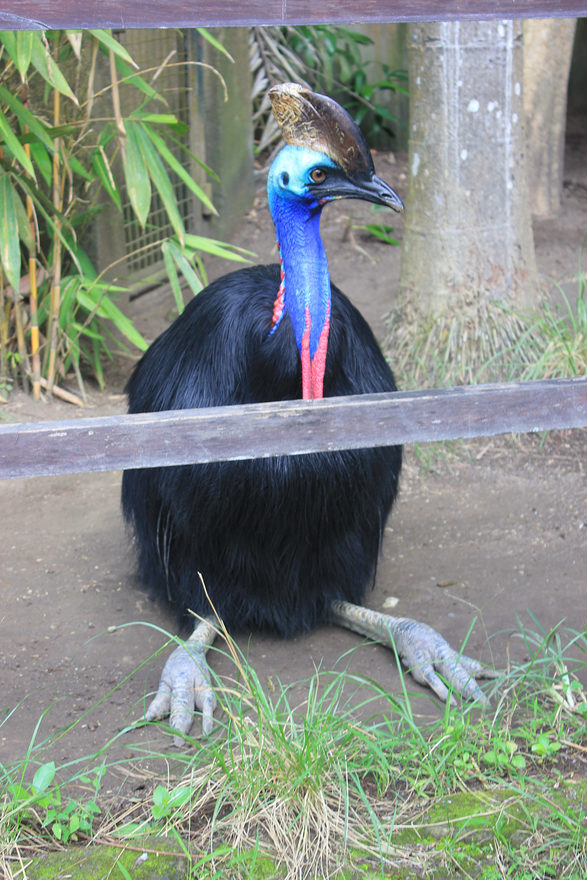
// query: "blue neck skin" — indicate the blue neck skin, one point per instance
point(296, 215)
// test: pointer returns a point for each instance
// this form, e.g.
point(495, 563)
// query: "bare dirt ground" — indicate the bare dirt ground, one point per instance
point(494, 533)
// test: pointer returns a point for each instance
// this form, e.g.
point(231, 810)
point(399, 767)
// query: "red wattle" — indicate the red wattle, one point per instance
point(313, 368)
point(280, 298)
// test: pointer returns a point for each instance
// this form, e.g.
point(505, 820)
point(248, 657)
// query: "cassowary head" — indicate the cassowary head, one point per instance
point(320, 125)
point(325, 158)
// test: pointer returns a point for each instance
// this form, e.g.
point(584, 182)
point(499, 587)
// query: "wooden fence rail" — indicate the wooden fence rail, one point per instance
point(289, 427)
point(120, 14)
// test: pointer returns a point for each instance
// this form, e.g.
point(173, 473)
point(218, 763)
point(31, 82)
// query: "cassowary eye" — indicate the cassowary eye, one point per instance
point(318, 175)
point(285, 178)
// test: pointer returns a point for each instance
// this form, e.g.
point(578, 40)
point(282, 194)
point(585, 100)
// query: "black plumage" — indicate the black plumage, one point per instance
point(275, 539)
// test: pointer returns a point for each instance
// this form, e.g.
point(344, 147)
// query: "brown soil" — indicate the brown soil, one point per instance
point(493, 532)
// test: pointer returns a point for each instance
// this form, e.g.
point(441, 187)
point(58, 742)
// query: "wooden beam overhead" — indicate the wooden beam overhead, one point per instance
point(121, 14)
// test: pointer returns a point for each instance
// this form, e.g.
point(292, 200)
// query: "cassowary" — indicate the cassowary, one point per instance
point(283, 543)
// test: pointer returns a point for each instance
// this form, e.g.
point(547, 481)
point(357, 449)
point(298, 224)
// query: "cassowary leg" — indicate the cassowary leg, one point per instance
point(423, 650)
point(185, 684)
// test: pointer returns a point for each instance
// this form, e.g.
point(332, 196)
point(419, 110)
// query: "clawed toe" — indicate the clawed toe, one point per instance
point(185, 684)
point(424, 651)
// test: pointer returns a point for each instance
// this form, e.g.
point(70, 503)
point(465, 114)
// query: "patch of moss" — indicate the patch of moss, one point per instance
point(460, 829)
point(158, 861)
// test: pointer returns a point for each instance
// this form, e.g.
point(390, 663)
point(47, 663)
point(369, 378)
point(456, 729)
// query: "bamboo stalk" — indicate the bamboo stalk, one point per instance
point(67, 396)
point(55, 295)
point(33, 298)
point(20, 341)
point(33, 301)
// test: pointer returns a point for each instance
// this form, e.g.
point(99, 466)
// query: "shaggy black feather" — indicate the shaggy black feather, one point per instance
point(275, 539)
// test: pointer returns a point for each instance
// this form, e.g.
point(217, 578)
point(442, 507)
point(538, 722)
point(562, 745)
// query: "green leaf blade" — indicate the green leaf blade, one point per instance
point(44, 62)
point(9, 238)
point(24, 51)
point(26, 118)
point(136, 175)
point(109, 42)
point(15, 147)
point(178, 168)
point(161, 180)
point(218, 248)
point(44, 776)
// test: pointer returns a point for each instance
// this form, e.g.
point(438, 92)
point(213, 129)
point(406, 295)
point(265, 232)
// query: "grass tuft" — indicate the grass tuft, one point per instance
point(484, 340)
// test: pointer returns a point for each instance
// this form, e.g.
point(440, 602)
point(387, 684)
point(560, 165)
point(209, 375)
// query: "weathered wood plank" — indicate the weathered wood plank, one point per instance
point(289, 428)
point(35, 14)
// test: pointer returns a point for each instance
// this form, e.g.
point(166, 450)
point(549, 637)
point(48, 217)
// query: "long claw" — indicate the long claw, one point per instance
point(159, 706)
point(185, 684)
point(423, 650)
point(426, 675)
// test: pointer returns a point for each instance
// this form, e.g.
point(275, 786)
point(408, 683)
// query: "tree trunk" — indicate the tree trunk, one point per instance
point(548, 48)
point(468, 238)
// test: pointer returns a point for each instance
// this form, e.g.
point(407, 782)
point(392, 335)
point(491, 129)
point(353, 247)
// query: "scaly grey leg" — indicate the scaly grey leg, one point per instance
point(422, 649)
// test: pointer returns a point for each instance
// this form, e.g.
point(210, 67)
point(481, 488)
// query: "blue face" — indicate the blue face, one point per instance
point(295, 171)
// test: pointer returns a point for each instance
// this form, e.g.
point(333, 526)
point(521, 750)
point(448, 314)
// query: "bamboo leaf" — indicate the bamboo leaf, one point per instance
point(185, 267)
point(26, 118)
point(76, 166)
point(49, 214)
point(74, 38)
point(105, 176)
point(218, 248)
point(157, 118)
point(24, 50)
point(42, 161)
point(14, 146)
point(9, 240)
point(172, 275)
point(129, 76)
point(86, 267)
point(178, 168)
point(106, 39)
point(199, 162)
point(160, 178)
point(86, 331)
point(136, 175)
point(105, 308)
point(56, 131)
point(214, 42)
point(45, 64)
point(24, 227)
point(8, 40)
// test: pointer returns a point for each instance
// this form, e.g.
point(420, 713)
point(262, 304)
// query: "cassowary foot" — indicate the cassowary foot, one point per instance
point(185, 685)
point(422, 649)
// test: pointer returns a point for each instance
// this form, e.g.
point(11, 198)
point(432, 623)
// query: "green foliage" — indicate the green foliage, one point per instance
point(42, 802)
point(333, 64)
point(166, 802)
point(57, 170)
point(383, 232)
point(327, 59)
